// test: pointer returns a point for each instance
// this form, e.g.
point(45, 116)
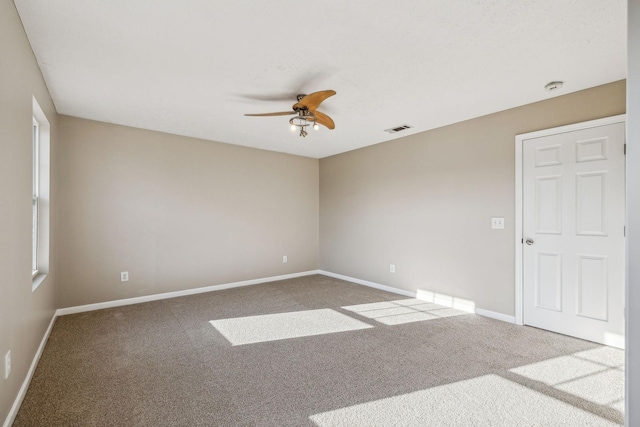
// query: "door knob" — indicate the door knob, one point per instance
point(529, 242)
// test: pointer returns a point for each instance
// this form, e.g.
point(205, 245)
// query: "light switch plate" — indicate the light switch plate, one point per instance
point(497, 223)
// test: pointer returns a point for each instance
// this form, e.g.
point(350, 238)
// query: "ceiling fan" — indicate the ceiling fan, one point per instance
point(307, 113)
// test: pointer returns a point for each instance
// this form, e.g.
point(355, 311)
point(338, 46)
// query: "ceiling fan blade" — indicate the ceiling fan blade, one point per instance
point(312, 100)
point(305, 80)
point(274, 97)
point(324, 120)
point(282, 113)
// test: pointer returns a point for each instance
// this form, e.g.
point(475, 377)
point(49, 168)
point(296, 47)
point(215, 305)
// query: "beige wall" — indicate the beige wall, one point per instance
point(24, 315)
point(424, 202)
point(177, 213)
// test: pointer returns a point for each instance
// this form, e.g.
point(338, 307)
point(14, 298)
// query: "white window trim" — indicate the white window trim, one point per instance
point(41, 139)
point(35, 136)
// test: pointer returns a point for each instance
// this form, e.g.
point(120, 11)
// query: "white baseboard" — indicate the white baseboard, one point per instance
point(427, 296)
point(496, 315)
point(167, 295)
point(137, 300)
point(25, 384)
point(369, 284)
point(117, 303)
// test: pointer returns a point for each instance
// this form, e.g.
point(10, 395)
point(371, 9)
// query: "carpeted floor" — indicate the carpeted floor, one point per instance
point(315, 351)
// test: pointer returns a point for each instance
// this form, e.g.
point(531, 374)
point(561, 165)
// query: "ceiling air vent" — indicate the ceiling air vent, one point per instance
point(398, 129)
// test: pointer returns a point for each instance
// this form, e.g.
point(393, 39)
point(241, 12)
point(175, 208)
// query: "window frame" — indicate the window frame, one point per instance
point(41, 200)
point(36, 196)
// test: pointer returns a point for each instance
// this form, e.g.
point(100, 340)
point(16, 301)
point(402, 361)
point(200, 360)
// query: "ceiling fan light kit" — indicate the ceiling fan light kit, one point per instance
point(301, 122)
point(307, 113)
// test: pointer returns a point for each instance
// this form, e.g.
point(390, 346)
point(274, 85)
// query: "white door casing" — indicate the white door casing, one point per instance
point(570, 279)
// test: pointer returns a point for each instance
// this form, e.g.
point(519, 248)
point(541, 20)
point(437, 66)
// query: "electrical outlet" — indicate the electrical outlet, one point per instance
point(392, 268)
point(124, 276)
point(284, 259)
point(7, 364)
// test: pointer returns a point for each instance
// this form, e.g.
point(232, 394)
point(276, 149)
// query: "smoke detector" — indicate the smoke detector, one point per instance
point(553, 86)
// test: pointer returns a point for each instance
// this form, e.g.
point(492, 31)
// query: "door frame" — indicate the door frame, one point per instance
point(519, 278)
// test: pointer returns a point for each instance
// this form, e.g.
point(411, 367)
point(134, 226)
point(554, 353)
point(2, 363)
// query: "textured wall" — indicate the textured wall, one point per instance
point(24, 314)
point(424, 202)
point(177, 213)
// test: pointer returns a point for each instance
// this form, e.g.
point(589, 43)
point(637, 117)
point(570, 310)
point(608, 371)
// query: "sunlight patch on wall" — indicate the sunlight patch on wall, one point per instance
point(447, 300)
point(281, 326)
point(486, 400)
point(403, 311)
point(595, 375)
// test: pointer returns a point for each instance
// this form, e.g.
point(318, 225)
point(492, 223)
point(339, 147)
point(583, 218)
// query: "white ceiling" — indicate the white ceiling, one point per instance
point(194, 67)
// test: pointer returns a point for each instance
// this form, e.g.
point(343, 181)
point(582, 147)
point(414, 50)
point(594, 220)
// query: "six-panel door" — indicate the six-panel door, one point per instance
point(573, 217)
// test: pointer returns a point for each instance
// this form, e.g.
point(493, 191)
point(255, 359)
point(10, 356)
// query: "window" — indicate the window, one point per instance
point(40, 140)
point(36, 167)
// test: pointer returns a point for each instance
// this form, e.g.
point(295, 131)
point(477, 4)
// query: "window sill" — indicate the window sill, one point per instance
point(37, 280)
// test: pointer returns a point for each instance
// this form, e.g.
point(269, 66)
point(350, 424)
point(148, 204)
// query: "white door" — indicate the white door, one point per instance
point(573, 229)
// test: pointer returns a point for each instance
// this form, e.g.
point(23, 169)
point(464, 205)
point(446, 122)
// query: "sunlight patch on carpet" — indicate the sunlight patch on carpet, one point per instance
point(403, 311)
point(483, 401)
point(595, 375)
point(281, 326)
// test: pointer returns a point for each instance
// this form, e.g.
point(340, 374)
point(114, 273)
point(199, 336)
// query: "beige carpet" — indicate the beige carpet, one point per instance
point(320, 352)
